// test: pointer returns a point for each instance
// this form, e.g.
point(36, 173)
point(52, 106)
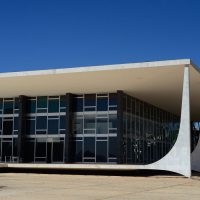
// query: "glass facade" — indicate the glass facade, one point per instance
point(148, 132)
point(146, 135)
point(45, 129)
point(9, 116)
point(95, 128)
point(195, 133)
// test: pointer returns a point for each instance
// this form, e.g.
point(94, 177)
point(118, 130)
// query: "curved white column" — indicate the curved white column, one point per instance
point(178, 158)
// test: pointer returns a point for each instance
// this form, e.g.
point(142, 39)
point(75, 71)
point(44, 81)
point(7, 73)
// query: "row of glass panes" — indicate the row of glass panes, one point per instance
point(37, 149)
point(91, 149)
point(46, 124)
point(46, 104)
point(146, 110)
point(95, 102)
point(95, 124)
point(9, 125)
point(9, 105)
point(8, 149)
point(147, 136)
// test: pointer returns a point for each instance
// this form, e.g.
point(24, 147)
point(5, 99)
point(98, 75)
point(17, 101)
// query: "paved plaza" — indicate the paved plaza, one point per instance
point(23, 186)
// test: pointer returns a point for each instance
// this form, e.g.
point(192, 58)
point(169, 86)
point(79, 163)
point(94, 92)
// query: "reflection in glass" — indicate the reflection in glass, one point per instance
point(53, 105)
point(89, 122)
point(102, 126)
point(41, 122)
point(89, 147)
point(8, 107)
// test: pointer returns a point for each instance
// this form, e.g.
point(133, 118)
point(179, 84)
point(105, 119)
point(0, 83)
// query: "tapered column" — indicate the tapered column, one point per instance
point(21, 128)
point(69, 152)
point(120, 126)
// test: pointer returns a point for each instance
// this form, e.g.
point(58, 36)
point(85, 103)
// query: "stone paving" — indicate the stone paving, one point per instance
point(28, 186)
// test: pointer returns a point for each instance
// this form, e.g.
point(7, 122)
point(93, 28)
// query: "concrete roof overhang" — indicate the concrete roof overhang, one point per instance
point(159, 83)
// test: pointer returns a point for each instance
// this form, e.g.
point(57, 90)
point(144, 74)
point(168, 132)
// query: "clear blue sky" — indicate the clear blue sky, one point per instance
point(42, 34)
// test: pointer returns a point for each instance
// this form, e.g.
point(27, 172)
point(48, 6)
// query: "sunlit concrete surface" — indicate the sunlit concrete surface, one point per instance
point(23, 186)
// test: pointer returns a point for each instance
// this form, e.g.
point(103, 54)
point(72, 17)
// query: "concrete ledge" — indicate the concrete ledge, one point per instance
point(3, 165)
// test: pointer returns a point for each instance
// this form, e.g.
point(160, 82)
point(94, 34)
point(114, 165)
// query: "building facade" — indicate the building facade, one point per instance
point(112, 125)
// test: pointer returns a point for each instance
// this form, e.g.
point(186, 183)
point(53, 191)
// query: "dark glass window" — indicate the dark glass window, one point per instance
point(40, 149)
point(78, 153)
point(112, 99)
point(112, 121)
point(14, 146)
point(7, 127)
point(78, 125)
point(30, 126)
point(90, 100)
point(89, 122)
point(102, 126)
point(53, 126)
point(31, 106)
point(1, 103)
point(16, 103)
point(101, 151)
point(62, 101)
point(41, 122)
point(63, 122)
point(0, 123)
point(29, 153)
point(58, 151)
point(6, 149)
point(78, 105)
point(102, 104)
point(16, 123)
point(89, 147)
point(42, 102)
point(8, 107)
point(113, 147)
point(53, 105)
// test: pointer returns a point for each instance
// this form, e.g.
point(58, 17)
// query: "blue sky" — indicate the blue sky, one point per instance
point(44, 34)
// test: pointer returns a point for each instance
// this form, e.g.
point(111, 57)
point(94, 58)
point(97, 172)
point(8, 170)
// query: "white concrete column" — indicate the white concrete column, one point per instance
point(178, 158)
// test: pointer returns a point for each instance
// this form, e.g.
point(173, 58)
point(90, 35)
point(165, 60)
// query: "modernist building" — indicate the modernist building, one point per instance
point(127, 116)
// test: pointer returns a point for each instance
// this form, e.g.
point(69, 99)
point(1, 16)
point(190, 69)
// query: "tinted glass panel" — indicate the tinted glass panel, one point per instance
point(101, 151)
point(31, 106)
point(78, 126)
point(53, 126)
point(53, 105)
point(89, 147)
point(90, 100)
point(78, 153)
point(89, 122)
point(62, 122)
point(63, 101)
point(58, 152)
point(42, 102)
point(41, 122)
point(30, 126)
point(16, 103)
point(113, 121)
point(102, 126)
point(16, 123)
point(40, 149)
point(102, 104)
point(6, 149)
point(78, 105)
point(8, 107)
point(29, 153)
point(112, 99)
point(1, 104)
point(7, 127)
point(112, 147)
